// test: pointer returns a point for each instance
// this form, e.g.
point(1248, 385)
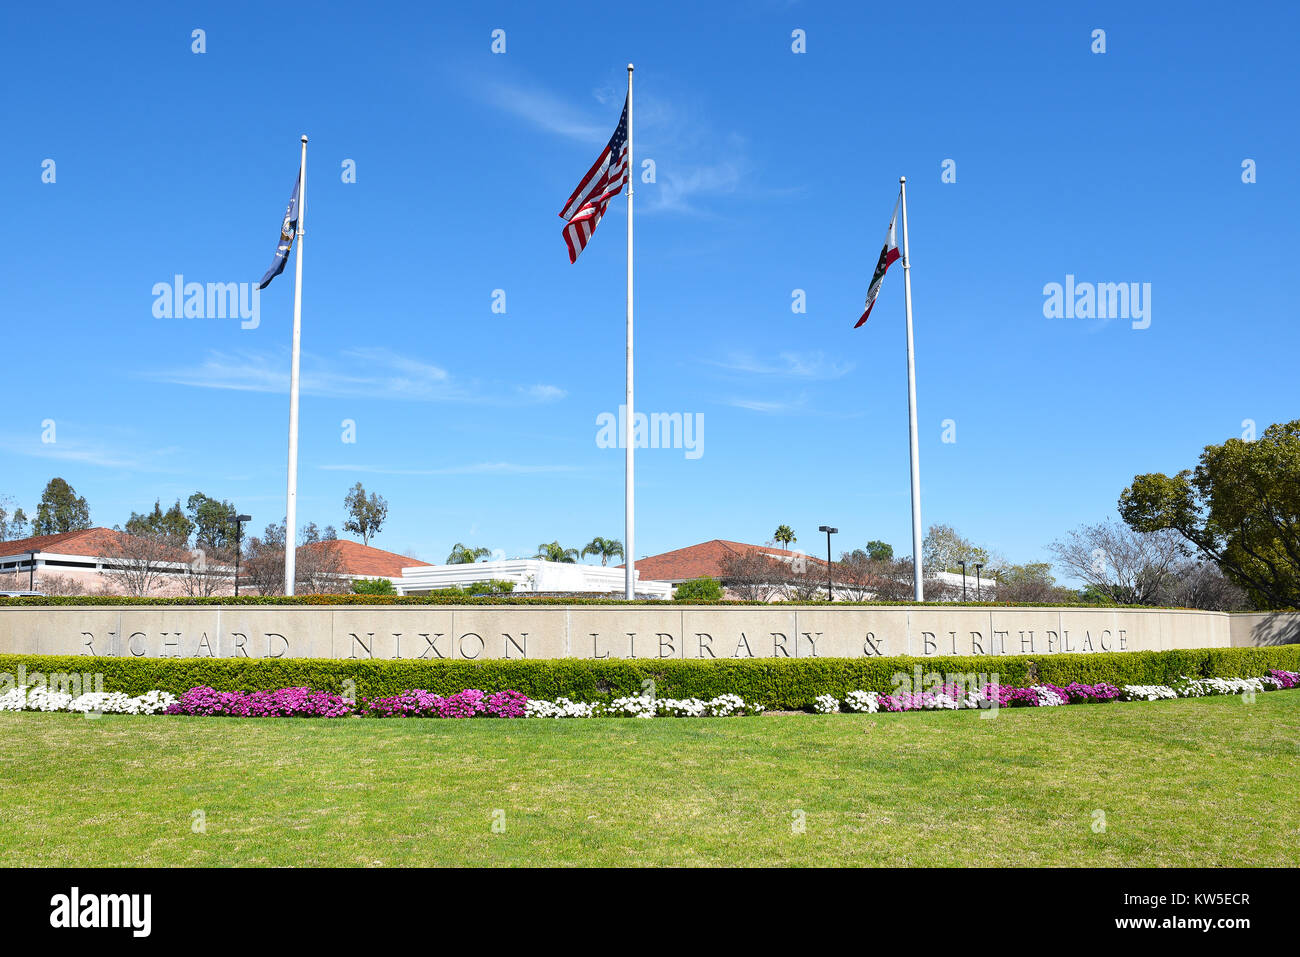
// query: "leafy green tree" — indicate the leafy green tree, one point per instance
point(944, 547)
point(373, 586)
point(603, 548)
point(214, 522)
point(60, 510)
point(309, 534)
point(785, 535)
point(879, 551)
point(172, 525)
point(555, 552)
point(1240, 507)
point(465, 555)
point(699, 589)
point(365, 515)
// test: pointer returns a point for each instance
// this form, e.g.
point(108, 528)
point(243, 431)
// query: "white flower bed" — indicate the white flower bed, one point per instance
point(1047, 698)
point(92, 702)
point(1147, 692)
point(862, 702)
point(1210, 686)
point(643, 706)
point(826, 704)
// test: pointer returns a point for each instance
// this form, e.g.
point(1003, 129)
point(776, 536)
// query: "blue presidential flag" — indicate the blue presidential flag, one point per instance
point(288, 229)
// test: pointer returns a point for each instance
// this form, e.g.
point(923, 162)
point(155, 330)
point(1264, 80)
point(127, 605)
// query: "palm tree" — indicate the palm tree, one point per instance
point(785, 535)
point(464, 555)
point(606, 548)
point(555, 552)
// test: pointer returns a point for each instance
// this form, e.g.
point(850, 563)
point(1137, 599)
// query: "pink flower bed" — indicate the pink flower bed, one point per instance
point(469, 703)
point(284, 703)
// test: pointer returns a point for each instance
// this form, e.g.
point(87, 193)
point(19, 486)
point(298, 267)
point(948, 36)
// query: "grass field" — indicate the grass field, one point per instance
point(1212, 781)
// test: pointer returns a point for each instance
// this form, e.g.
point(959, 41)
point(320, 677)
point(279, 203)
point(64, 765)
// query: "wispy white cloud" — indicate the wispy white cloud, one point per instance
point(693, 160)
point(793, 365)
point(769, 405)
point(547, 112)
point(94, 453)
point(478, 468)
point(372, 373)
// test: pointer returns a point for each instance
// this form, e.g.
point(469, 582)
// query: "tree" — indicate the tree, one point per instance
point(365, 515)
point(802, 580)
point(1129, 567)
point(1240, 508)
point(60, 510)
point(318, 564)
point(376, 586)
point(863, 578)
point(944, 547)
point(555, 552)
point(263, 564)
point(699, 589)
point(1203, 585)
point(880, 551)
point(309, 534)
point(785, 535)
point(140, 562)
point(605, 548)
point(210, 571)
point(318, 568)
point(171, 525)
point(753, 575)
point(1031, 582)
point(13, 522)
point(464, 555)
point(213, 520)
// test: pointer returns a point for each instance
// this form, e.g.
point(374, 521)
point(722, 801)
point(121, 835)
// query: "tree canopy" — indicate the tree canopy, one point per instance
point(466, 555)
point(61, 509)
point(603, 548)
point(366, 515)
point(1240, 507)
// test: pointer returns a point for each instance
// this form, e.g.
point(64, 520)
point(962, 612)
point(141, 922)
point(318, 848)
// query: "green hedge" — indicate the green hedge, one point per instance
point(778, 683)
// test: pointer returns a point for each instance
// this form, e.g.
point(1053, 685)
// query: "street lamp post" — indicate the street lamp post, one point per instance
point(239, 532)
point(830, 593)
point(978, 566)
point(963, 580)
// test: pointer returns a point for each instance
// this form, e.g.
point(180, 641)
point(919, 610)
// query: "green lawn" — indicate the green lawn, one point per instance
point(1214, 781)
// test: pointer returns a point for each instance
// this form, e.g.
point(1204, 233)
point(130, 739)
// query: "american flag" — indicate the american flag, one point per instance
point(602, 183)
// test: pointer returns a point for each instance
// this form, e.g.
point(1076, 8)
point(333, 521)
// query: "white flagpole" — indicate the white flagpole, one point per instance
point(629, 431)
point(918, 574)
point(291, 507)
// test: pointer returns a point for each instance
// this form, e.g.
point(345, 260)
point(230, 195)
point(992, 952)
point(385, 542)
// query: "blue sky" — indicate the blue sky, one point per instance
point(775, 171)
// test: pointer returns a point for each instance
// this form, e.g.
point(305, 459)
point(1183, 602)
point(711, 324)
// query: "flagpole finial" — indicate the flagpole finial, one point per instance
point(304, 137)
point(629, 68)
point(901, 179)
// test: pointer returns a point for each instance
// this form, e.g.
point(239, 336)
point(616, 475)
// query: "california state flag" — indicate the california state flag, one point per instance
point(887, 256)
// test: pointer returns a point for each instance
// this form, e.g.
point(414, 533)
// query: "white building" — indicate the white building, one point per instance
point(530, 576)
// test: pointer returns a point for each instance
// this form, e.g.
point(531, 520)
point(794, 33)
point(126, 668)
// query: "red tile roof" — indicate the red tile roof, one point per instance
point(354, 558)
point(705, 560)
point(358, 559)
point(94, 542)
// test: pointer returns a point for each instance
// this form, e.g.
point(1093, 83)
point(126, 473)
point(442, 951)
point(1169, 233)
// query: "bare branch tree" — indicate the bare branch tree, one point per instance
point(210, 571)
point(1131, 568)
point(319, 569)
point(752, 575)
point(140, 564)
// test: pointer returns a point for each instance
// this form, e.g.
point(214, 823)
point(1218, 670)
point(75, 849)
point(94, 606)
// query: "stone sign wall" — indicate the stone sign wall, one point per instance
point(476, 632)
